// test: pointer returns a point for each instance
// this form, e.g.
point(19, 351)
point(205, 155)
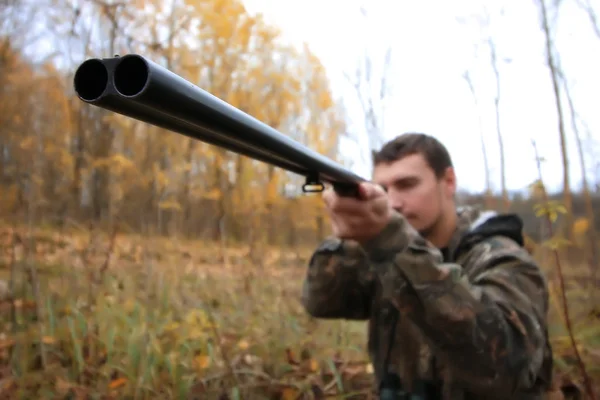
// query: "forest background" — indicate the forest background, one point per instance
point(137, 263)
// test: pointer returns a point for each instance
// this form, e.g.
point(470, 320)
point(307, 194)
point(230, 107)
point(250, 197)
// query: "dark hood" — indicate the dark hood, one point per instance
point(488, 224)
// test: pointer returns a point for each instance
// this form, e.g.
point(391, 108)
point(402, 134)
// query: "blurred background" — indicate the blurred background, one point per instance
point(197, 244)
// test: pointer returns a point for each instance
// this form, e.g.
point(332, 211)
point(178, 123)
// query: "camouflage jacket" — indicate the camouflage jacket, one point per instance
point(471, 316)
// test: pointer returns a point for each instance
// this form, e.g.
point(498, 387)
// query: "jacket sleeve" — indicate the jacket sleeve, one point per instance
point(339, 281)
point(486, 317)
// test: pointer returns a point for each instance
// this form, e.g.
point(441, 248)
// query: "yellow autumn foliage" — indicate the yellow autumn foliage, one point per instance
point(113, 165)
point(581, 226)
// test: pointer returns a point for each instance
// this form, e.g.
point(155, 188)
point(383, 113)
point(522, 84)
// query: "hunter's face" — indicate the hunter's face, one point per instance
point(415, 192)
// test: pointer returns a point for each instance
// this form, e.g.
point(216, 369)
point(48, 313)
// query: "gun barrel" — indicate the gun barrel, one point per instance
point(91, 80)
point(93, 86)
point(141, 89)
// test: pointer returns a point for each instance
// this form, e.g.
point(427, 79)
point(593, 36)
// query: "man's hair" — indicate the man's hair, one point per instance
point(435, 153)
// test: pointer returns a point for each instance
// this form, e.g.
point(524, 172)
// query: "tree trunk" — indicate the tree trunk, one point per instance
point(554, 74)
point(505, 199)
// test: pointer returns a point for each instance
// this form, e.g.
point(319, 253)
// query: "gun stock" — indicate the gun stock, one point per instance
point(140, 89)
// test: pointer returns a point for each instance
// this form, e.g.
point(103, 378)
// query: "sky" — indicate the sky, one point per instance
point(431, 49)
point(433, 44)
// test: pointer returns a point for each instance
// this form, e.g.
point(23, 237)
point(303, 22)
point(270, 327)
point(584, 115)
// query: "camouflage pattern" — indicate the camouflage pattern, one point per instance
point(483, 317)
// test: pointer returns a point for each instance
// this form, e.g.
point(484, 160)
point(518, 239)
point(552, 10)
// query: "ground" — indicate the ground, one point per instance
point(130, 317)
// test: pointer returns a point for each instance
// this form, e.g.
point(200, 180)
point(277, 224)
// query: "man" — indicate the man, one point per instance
point(456, 306)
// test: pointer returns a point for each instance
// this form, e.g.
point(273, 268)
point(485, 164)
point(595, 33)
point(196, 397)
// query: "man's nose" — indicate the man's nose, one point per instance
point(397, 203)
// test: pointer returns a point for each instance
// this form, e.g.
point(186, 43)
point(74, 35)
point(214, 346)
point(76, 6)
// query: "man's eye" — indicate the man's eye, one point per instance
point(409, 184)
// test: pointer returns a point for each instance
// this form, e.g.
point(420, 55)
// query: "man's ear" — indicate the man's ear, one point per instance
point(450, 181)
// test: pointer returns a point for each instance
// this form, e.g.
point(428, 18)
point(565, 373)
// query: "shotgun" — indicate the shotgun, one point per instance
point(139, 88)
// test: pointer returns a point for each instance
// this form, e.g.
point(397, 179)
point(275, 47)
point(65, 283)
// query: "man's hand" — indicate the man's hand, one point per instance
point(361, 218)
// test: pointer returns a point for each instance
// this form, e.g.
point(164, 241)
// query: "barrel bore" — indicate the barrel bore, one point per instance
point(90, 80)
point(131, 75)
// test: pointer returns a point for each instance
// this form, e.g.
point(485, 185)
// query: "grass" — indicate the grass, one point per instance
point(163, 320)
point(131, 317)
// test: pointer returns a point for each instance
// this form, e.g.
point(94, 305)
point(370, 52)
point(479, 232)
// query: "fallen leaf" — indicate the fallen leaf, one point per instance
point(7, 343)
point(290, 357)
point(202, 361)
point(129, 305)
point(48, 340)
point(289, 393)
point(18, 304)
point(62, 386)
point(7, 385)
point(117, 383)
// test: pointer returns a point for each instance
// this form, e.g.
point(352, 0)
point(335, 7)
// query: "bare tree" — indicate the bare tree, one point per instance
point(494, 62)
point(592, 147)
point(552, 63)
point(484, 22)
point(488, 183)
point(372, 88)
point(589, 208)
point(586, 5)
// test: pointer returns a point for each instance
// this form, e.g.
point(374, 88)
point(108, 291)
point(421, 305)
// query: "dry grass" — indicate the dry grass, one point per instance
point(128, 317)
point(165, 318)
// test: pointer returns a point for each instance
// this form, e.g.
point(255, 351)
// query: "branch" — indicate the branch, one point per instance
point(586, 5)
point(370, 97)
point(561, 280)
